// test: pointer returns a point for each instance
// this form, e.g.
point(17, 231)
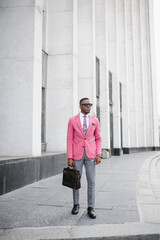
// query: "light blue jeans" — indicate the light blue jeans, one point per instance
point(90, 174)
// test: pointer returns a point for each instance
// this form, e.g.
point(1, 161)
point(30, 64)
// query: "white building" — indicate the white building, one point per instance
point(55, 52)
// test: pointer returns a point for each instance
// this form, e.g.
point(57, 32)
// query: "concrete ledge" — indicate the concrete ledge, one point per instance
point(118, 151)
point(148, 190)
point(16, 173)
point(141, 149)
point(136, 231)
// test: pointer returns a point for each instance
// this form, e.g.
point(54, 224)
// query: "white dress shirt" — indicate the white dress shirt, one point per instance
point(82, 119)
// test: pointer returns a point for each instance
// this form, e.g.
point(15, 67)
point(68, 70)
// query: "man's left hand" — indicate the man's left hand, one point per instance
point(97, 160)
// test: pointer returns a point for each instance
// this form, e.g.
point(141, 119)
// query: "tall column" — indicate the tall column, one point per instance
point(154, 18)
point(130, 73)
point(146, 72)
point(86, 51)
point(20, 73)
point(75, 80)
point(122, 73)
point(61, 73)
point(113, 66)
point(137, 48)
point(101, 53)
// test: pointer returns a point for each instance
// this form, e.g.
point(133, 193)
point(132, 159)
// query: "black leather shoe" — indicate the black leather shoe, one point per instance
point(75, 209)
point(91, 213)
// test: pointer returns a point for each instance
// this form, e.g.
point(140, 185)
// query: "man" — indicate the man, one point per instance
point(84, 148)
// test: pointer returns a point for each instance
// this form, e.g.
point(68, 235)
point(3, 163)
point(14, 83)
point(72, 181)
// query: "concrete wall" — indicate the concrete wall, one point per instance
point(18, 172)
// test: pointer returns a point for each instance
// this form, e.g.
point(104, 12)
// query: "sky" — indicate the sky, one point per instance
point(157, 47)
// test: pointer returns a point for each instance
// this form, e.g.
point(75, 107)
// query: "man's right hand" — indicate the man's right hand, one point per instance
point(71, 162)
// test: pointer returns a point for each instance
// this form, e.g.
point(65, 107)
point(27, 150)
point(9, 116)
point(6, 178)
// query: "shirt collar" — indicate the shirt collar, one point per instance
point(84, 115)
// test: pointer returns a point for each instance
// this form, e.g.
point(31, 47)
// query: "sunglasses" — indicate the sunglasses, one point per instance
point(87, 104)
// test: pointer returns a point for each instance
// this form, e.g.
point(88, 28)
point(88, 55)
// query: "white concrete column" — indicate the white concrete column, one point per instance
point(101, 53)
point(146, 73)
point(113, 66)
point(20, 77)
point(60, 83)
point(154, 16)
point(37, 77)
point(86, 58)
point(122, 73)
point(130, 73)
point(138, 73)
point(75, 80)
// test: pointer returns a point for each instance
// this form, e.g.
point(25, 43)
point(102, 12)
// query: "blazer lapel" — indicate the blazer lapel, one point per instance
point(79, 123)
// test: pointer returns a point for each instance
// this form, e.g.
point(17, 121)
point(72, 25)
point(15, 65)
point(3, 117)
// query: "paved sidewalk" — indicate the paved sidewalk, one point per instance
point(48, 204)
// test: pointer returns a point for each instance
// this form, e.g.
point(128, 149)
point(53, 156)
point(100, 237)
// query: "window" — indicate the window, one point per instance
point(98, 87)
point(43, 111)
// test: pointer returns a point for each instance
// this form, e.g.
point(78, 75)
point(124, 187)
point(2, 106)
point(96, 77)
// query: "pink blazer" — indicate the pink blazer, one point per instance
point(77, 141)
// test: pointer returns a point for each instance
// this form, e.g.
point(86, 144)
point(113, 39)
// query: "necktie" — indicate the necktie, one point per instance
point(84, 125)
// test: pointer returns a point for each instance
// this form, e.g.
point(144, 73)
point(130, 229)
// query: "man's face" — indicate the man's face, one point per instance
point(85, 106)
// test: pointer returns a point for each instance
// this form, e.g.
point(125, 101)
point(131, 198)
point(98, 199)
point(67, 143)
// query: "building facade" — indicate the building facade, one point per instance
point(53, 53)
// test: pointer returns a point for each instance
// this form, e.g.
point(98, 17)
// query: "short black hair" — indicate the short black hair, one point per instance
point(83, 99)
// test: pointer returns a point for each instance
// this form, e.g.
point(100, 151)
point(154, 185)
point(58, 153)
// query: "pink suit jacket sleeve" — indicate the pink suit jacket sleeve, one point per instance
point(98, 139)
point(70, 139)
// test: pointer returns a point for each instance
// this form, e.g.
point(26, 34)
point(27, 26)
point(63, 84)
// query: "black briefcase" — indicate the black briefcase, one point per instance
point(71, 178)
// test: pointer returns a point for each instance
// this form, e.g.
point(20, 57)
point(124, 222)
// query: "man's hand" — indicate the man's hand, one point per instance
point(71, 162)
point(97, 160)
